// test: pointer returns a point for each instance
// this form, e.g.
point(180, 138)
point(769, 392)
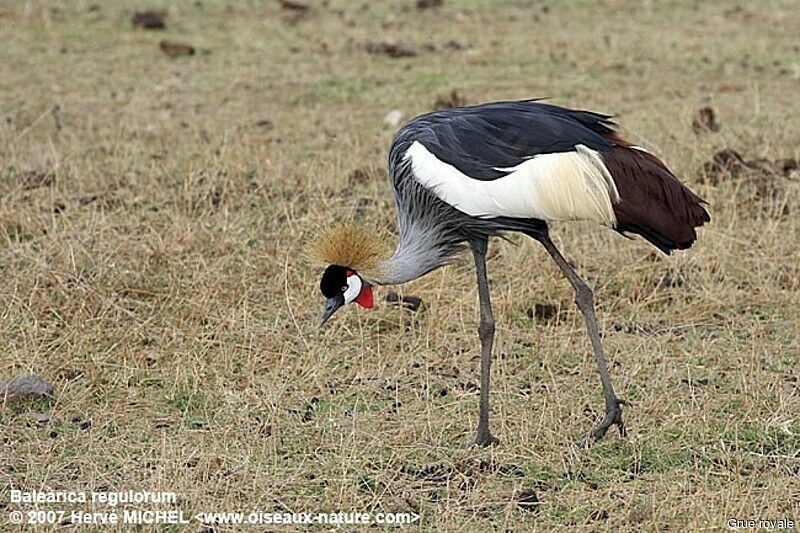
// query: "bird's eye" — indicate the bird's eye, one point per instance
point(344, 289)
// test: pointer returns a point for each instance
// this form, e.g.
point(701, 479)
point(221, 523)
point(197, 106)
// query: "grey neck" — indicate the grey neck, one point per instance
point(421, 249)
point(429, 233)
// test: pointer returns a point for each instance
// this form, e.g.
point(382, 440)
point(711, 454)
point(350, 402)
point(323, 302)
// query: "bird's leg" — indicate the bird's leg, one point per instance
point(585, 301)
point(486, 332)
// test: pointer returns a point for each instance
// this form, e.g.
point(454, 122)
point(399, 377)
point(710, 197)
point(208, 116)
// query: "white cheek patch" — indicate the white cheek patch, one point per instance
point(353, 289)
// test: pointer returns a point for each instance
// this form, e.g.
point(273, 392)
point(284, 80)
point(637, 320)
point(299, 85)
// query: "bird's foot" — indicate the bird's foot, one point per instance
point(485, 438)
point(613, 417)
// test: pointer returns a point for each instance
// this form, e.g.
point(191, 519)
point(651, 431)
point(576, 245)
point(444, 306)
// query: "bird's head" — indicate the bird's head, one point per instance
point(341, 285)
point(353, 254)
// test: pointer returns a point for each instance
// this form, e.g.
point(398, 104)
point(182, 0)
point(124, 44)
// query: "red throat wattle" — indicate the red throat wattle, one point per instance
point(365, 298)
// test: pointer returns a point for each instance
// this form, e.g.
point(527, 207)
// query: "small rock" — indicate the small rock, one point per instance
point(393, 118)
point(149, 20)
point(428, 4)
point(728, 163)
point(55, 111)
point(454, 99)
point(432, 473)
point(528, 500)
point(511, 470)
point(24, 387)
point(294, 5)
point(364, 175)
point(454, 45)
point(363, 205)
point(543, 312)
point(308, 415)
point(413, 303)
point(668, 281)
point(705, 121)
point(173, 49)
point(34, 179)
point(694, 382)
point(393, 50)
point(724, 162)
point(88, 199)
point(70, 373)
point(469, 386)
point(787, 166)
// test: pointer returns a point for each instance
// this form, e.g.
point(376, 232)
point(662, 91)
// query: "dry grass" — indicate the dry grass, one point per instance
point(151, 266)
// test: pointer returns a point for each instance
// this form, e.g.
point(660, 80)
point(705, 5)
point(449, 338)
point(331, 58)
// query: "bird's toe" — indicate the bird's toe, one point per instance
point(613, 418)
point(485, 439)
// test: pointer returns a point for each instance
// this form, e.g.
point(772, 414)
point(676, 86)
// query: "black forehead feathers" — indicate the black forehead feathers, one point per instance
point(334, 278)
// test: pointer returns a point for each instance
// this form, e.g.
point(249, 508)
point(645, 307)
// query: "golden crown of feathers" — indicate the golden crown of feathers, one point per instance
point(349, 245)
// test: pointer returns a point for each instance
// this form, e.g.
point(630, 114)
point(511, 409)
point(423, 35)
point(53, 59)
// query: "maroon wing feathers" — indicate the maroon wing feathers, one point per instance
point(653, 203)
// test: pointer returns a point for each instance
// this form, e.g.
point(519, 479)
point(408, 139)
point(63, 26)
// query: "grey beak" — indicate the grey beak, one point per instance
point(331, 306)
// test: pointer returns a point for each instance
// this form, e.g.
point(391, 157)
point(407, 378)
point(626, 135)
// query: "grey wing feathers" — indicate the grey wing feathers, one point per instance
point(478, 140)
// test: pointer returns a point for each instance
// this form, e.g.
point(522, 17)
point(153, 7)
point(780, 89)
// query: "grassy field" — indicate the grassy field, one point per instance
point(153, 215)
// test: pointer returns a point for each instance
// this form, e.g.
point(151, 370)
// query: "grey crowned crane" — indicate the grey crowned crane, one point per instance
point(466, 174)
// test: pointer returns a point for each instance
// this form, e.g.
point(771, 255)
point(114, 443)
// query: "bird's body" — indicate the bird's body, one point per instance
point(463, 175)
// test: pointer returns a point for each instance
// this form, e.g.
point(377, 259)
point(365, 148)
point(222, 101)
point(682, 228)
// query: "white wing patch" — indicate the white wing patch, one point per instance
point(559, 186)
